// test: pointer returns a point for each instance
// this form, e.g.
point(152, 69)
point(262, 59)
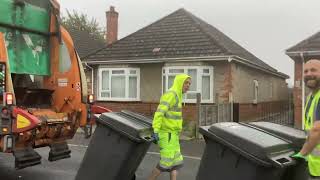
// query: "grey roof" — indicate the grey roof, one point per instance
point(85, 42)
point(180, 34)
point(312, 43)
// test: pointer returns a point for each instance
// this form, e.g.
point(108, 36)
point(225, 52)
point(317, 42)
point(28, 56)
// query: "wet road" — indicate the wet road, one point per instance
point(66, 169)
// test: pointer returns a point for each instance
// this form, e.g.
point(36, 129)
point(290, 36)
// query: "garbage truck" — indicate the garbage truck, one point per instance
point(43, 89)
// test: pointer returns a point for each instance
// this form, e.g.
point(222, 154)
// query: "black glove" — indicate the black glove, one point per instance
point(155, 137)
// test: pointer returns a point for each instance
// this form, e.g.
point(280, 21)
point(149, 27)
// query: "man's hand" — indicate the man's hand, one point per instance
point(155, 137)
point(300, 156)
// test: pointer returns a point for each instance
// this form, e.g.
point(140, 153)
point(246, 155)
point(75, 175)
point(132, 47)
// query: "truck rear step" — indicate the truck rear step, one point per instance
point(59, 151)
point(26, 157)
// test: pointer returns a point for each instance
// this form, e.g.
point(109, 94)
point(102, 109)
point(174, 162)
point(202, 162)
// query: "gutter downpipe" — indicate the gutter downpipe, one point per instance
point(91, 76)
point(303, 90)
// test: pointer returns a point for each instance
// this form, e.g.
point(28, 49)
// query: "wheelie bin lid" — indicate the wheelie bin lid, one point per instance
point(132, 125)
point(254, 144)
point(295, 137)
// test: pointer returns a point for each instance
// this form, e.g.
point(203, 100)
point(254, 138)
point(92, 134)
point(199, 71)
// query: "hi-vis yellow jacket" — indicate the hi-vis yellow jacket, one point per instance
point(309, 118)
point(168, 117)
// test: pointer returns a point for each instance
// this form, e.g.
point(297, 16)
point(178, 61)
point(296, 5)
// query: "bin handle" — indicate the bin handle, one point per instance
point(148, 138)
point(284, 161)
point(126, 134)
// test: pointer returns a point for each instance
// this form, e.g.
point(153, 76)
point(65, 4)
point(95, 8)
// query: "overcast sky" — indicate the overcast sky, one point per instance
point(264, 27)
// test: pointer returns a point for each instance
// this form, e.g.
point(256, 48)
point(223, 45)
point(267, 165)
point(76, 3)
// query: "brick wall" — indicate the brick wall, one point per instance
point(148, 108)
point(227, 84)
point(247, 111)
point(250, 112)
point(297, 93)
point(112, 25)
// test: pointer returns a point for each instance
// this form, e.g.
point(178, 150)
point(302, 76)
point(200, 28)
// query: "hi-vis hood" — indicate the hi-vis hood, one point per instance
point(178, 84)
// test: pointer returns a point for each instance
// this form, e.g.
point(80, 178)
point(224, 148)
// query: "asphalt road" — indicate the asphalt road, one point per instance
point(66, 169)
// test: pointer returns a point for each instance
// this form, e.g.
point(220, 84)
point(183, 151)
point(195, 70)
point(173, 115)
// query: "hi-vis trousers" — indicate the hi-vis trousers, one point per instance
point(170, 154)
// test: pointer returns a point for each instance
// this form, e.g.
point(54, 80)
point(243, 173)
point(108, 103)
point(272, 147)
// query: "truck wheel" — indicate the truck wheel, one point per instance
point(134, 177)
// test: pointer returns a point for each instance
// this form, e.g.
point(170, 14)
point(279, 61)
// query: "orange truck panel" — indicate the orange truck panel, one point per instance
point(3, 52)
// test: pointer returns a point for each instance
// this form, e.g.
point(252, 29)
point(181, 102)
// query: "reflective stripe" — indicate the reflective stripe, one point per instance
point(177, 155)
point(174, 117)
point(314, 112)
point(165, 103)
point(307, 126)
point(161, 110)
point(164, 163)
point(176, 96)
point(167, 160)
point(177, 99)
point(167, 167)
point(177, 163)
point(175, 109)
point(164, 166)
point(316, 152)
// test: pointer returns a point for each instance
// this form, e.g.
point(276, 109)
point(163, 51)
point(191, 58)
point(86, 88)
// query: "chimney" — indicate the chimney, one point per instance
point(112, 25)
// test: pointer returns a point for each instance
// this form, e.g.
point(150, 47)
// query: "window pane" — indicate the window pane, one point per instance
point(176, 71)
point(105, 94)
point(133, 87)
point(133, 71)
point(65, 61)
point(170, 81)
point(191, 96)
point(206, 71)
point(205, 90)
point(118, 72)
point(193, 74)
point(118, 87)
point(105, 80)
point(255, 89)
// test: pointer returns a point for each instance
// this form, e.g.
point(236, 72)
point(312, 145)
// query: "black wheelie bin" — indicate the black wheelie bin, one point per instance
point(296, 139)
point(235, 151)
point(117, 147)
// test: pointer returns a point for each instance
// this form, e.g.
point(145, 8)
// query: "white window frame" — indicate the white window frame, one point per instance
point(200, 74)
point(255, 91)
point(271, 90)
point(127, 75)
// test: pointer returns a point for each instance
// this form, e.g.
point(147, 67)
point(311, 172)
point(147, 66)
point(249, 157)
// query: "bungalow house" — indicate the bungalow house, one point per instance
point(300, 53)
point(133, 72)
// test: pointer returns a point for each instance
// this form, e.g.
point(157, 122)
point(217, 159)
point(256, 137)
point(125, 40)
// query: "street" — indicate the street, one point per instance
point(66, 169)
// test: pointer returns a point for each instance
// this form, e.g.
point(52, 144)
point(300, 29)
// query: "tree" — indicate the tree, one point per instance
point(79, 21)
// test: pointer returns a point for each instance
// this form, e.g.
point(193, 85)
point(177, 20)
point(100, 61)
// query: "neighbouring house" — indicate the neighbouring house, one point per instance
point(300, 53)
point(133, 72)
point(85, 43)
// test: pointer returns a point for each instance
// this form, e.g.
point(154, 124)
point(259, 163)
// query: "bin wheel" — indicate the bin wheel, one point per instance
point(134, 177)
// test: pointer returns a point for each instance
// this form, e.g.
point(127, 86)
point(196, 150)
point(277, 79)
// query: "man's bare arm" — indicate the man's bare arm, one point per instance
point(312, 140)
